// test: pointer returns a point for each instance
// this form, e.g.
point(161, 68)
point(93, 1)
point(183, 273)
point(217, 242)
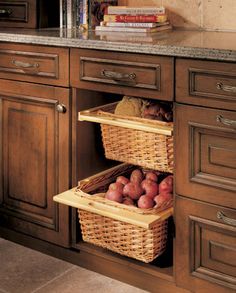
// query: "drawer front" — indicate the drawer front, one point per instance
point(206, 83)
point(37, 64)
point(206, 246)
point(206, 154)
point(129, 74)
point(17, 13)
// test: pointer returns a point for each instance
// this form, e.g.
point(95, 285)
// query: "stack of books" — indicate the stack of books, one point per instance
point(134, 20)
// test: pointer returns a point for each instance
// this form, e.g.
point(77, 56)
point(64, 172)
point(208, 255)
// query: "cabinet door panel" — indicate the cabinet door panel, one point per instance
point(35, 159)
point(205, 247)
point(205, 157)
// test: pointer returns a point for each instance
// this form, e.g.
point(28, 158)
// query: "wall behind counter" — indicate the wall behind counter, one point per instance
point(196, 14)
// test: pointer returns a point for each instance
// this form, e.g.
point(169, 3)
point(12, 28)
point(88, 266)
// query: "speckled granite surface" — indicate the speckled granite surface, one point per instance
point(193, 44)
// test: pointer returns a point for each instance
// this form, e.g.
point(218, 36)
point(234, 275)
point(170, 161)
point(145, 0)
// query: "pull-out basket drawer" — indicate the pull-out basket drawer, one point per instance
point(127, 230)
point(138, 141)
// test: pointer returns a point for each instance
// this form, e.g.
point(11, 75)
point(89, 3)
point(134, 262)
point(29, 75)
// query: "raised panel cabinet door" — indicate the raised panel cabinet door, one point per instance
point(205, 246)
point(35, 154)
point(205, 154)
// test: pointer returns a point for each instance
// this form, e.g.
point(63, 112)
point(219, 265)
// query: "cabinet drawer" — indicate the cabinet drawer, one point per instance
point(206, 154)
point(16, 13)
point(128, 74)
point(206, 246)
point(206, 83)
point(37, 64)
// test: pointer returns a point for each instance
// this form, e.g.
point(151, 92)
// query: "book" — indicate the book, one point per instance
point(133, 29)
point(97, 9)
point(69, 14)
point(135, 10)
point(83, 6)
point(135, 18)
point(131, 37)
point(133, 24)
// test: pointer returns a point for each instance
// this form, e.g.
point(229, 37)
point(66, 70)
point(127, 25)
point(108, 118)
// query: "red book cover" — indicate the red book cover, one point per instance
point(135, 18)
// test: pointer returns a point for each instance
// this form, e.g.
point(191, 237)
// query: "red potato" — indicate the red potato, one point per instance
point(136, 176)
point(122, 179)
point(162, 198)
point(150, 187)
point(166, 185)
point(116, 186)
point(128, 201)
point(114, 195)
point(145, 202)
point(151, 176)
point(133, 190)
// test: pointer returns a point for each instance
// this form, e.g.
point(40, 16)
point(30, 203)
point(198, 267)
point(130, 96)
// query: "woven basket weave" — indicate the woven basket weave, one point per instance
point(144, 244)
point(124, 238)
point(138, 147)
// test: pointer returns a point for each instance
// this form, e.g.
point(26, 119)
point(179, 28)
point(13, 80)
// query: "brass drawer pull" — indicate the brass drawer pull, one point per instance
point(5, 12)
point(222, 216)
point(119, 76)
point(25, 65)
point(226, 88)
point(225, 121)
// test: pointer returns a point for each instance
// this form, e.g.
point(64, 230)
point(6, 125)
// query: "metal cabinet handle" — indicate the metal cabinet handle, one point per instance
point(225, 121)
point(5, 12)
point(226, 88)
point(25, 65)
point(222, 216)
point(61, 108)
point(118, 75)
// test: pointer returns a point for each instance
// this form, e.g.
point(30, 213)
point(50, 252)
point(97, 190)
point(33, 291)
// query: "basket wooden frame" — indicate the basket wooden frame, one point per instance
point(129, 231)
point(138, 141)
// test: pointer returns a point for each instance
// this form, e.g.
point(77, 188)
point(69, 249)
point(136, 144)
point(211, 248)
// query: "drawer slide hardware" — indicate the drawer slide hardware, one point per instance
point(226, 88)
point(118, 76)
point(25, 65)
point(222, 216)
point(225, 121)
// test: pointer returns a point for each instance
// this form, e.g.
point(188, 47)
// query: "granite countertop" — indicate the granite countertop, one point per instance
point(220, 46)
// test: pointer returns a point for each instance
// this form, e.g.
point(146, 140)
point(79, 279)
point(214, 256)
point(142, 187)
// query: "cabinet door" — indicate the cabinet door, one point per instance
point(205, 154)
point(35, 154)
point(205, 254)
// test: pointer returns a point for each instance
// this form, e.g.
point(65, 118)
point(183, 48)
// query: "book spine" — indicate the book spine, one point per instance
point(69, 14)
point(84, 14)
point(122, 29)
point(134, 10)
point(61, 14)
point(134, 18)
point(64, 14)
point(77, 13)
point(129, 24)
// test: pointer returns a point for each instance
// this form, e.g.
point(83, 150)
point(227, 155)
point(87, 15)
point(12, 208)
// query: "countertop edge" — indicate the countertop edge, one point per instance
point(164, 50)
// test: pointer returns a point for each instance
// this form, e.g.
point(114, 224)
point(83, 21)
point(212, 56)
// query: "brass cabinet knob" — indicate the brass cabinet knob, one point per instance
point(61, 108)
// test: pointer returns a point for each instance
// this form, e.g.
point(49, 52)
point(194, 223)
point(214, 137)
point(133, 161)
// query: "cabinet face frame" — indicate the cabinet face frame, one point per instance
point(21, 215)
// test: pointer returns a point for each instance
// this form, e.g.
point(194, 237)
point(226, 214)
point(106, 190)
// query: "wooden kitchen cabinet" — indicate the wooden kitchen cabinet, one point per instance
point(205, 178)
point(35, 159)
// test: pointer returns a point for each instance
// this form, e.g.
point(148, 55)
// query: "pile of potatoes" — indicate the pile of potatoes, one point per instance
point(143, 189)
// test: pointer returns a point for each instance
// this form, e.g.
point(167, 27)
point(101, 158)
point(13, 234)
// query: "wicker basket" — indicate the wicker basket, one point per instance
point(127, 230)
point(143, 142)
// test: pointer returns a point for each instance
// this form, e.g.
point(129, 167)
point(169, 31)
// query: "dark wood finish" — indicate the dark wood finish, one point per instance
point(127, 74)
point(205, 155)
point(35, 148)
point(104, 262)
point(205, 247)
point(206, 83)
point(29, 13)
point(46, 65)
